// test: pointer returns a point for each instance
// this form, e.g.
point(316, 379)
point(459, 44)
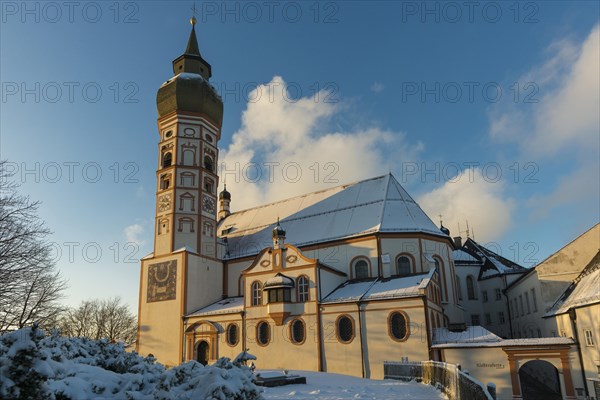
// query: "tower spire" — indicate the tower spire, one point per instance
point(192, 45)
point(191, 61)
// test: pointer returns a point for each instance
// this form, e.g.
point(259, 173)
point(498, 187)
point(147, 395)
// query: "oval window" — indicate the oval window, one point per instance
point(345, 329)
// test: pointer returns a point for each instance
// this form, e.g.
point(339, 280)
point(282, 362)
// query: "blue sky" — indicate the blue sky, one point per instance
point(372, 87)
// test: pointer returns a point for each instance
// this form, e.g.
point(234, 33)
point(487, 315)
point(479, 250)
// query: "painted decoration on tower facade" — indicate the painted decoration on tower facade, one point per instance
point(162, 279)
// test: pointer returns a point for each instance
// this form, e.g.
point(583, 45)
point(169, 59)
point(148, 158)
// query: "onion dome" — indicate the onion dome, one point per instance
point(225, 195)
point(278, 230)
point(189, 89)
point(445, 230)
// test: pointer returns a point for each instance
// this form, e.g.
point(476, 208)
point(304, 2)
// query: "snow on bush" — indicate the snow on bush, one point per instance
point(35, 366)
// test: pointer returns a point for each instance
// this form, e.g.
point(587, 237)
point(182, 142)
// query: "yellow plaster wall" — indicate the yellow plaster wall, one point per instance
point(159, 323)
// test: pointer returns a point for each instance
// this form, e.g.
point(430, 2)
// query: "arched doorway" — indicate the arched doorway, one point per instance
point(202, 352)
point(539, 381)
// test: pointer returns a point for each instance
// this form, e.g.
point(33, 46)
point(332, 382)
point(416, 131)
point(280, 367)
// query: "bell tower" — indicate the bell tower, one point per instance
point(183, 273)
point(189, 124)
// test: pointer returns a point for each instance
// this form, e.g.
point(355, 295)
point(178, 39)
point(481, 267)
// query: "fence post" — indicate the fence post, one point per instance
point(492, 390)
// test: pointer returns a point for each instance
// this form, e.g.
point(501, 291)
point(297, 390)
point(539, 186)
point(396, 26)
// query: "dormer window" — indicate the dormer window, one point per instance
point(279, 289)
point(360, 268)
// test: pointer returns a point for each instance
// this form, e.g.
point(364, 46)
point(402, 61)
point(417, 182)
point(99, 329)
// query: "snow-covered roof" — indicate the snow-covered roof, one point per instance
point(229, 305)
point(387, 288)
point(585, 290)
point(492, 264)
point(461, 255)
point(374, 205)
point(279, 280)
point(478, 336)
point(472, 334)
point(349, 291)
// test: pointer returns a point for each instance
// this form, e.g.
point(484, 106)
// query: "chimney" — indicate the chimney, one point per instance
point(458, 242)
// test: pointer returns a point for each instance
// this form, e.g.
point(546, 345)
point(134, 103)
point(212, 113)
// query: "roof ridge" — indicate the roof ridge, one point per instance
point(412, 217)
point(385, 199)
point(307, 194)
point(567, 244)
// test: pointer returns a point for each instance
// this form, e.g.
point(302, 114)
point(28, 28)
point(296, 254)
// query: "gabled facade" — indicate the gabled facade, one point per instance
point(548, 280)
point(577, 313)
point(482, 277)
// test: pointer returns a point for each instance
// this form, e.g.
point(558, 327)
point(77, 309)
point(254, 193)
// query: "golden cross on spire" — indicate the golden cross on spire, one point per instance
point(193, 19)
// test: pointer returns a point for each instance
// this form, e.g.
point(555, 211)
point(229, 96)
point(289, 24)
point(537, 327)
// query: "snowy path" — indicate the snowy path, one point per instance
point(326, 386)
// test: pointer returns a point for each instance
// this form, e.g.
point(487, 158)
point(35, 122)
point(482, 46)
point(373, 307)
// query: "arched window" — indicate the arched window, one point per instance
point(186, 225)
point(345, 328)
point(207, 229)
point(471, 292)
point(186, 202)
point(403, 266)
point(208, 163)
point(163, 226)
point(208, 185)
point(256, 294)
point(398, 326)
point(303, 286)
point(232, 334)
point(188, 155)
point(263, 333)
point(297, 331)
point(361, 269)
point(439, 266)
point(165, 181)
point(187, 179)
point(167, 159)
point(458, 288)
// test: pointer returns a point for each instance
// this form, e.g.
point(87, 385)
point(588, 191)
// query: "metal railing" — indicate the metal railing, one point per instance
point(447, 377)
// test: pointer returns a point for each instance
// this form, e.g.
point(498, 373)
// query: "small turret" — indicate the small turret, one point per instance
point(224, 201)
point(278, 236)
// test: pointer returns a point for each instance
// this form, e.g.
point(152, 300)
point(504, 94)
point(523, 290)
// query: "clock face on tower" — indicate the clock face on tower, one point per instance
point(164, 202)
point(208, 204)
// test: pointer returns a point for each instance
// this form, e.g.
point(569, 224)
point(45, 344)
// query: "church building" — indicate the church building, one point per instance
point(342, 279)
point(338, 280)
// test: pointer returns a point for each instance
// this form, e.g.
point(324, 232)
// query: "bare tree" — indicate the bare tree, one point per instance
point(30, 285)
point(97, 319)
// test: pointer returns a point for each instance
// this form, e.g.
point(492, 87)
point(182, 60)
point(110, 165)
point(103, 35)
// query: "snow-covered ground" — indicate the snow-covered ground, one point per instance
point(326, 386)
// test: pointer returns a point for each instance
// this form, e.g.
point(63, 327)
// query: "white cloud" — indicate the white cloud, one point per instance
point(133, 234)
point(566, 114)
point(470, 197)
point(578, 189)
point(563, 125)
point(377, 87)
point(285, 148)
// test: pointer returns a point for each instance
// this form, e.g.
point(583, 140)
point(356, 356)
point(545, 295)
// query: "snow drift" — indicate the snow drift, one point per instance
point(35, 366)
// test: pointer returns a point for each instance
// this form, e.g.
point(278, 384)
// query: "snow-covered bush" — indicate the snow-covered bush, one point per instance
point(35, 366)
